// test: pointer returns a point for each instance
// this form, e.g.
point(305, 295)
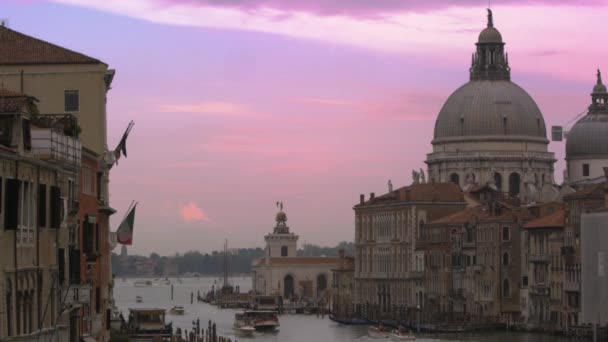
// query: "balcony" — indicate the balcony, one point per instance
point(539, 290)
point(568, 251)
point(540, 258)
point(55, 137)
point(416, 274)
point(470, 244)
point(457, 293)
point(478, 268)
point(572, 286)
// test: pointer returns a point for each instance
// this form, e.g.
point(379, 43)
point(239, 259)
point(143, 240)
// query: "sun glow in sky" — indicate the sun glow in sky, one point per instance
point(241, 103)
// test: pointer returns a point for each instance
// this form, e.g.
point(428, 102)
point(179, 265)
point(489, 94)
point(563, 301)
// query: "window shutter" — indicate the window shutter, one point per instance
point(11, 204)
point(74, 266)
point(88, 237)
point(61, 264)
point(55, 207)
point(41, 205)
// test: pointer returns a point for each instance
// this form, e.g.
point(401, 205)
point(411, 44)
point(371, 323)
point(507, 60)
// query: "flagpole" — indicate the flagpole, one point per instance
point(126, 213)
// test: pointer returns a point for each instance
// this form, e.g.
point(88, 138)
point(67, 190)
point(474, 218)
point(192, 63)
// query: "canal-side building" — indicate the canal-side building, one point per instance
point(296, 278)
point(66, 81)
point(594, 282)
point(343, 287)
point(388, 268)
point(545, 239)
point(39, 163)
point(473, 261)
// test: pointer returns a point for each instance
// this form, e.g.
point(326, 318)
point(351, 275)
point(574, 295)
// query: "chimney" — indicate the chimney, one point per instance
point(390, 186)
point(372, 196)
point(341, 253)
point(361, 199)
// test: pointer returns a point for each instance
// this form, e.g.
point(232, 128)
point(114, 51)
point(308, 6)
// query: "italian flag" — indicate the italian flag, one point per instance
point(124, 234)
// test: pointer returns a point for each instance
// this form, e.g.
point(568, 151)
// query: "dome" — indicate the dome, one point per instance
point(483, 108)
point(599, 88)
point(281, 217)
point(588, 137)
point(489, 35)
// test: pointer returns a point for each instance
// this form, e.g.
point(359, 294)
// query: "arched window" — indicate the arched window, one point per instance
point(505, 259)
point(454, 178)
point(288, 287)
point(514, 181)
point(498, 181)
point(506, 289)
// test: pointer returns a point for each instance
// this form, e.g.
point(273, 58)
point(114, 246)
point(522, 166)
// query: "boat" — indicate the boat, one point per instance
point(139, 299)
point(143, 283)
point(165, 281)
point(177, 310)
point(349, 321)
point(400, 335)
point(243, 324)
point(148, 324)
point(378, 332)
point(262, 320)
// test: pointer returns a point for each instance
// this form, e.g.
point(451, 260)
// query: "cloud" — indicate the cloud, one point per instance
point(191, 212)
point(207, 108)
point(359, 8)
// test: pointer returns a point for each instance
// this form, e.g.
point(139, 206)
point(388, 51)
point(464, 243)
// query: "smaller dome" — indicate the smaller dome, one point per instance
point(281, 217)
point(489, 35)
point(599, 88)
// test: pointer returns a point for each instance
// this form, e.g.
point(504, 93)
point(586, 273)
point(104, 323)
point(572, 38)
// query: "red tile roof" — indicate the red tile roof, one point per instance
point(428, 192)
point(596, 190)
point(10, 101)
point(482, 214)
point(19, 49)
point(555, 220)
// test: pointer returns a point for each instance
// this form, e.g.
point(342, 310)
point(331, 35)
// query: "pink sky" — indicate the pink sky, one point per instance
point(241, 103)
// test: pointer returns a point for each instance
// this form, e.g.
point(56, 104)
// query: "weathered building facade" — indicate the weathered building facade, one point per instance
point(39, 162)
point(65, 81)
point(388, 269)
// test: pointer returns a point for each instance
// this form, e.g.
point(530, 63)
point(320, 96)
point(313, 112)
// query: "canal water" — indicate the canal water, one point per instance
point(294, 328)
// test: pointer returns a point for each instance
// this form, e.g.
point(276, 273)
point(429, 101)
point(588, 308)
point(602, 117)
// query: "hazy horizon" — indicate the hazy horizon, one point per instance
point(239, 105)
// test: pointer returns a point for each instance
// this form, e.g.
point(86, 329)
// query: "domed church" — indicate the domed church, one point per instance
point(490, 131)
point(587, 141)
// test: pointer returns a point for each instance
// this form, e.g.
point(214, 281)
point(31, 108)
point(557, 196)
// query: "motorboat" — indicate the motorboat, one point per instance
point(177, 310)
point(378, 332)
point(399, 335)
point(148, 324)
point(143, 283)
point(261, 320)
point(243, 324)
point(165, 281)
point(139, 299)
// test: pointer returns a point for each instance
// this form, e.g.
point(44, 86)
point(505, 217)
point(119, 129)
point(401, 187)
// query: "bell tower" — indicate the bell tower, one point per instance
point(281, 243)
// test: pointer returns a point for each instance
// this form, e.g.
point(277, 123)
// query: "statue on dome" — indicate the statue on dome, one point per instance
point(490, 19)
point(422, 177)
point(415, 177)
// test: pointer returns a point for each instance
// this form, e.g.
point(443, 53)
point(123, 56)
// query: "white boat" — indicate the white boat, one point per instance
point(143, 283)
point(139, 299)
point(402, 336)
point(375, 332)
point(177, 310)
point(261, 320)
point(164, 282)
point(243, 324)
